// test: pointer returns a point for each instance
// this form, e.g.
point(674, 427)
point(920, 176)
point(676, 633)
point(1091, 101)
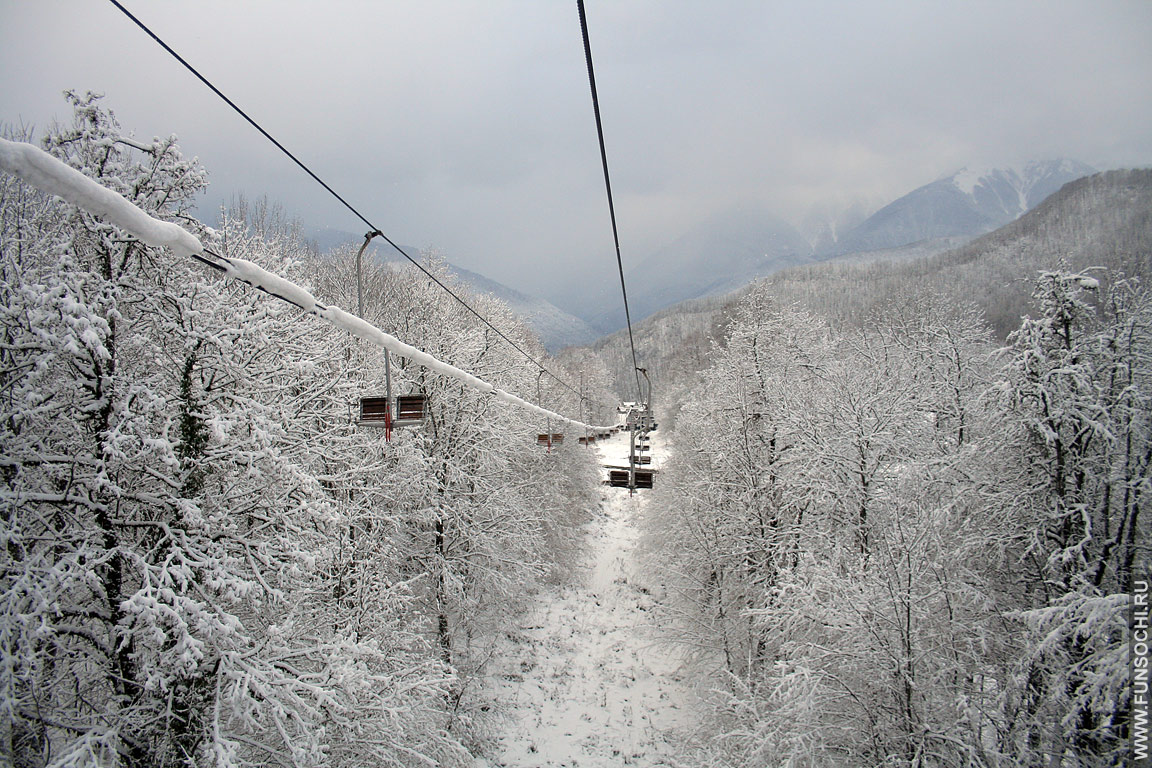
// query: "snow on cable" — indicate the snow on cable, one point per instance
point(46, 173)
point(53, 177)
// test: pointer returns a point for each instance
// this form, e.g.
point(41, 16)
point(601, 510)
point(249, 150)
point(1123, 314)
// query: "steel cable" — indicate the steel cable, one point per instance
point(336, 195)
point(608, 187)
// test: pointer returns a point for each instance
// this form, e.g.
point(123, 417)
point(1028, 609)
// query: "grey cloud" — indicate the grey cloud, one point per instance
point(469, 126)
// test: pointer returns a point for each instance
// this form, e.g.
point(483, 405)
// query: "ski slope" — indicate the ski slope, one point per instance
point(584, 679)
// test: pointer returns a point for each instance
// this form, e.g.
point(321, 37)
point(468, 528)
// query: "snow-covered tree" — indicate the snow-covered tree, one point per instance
point(207, 561)
point(831, 529)
point(1080, 390)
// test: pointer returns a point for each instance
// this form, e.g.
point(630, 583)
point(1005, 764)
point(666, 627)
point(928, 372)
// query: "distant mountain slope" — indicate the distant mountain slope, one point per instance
point(1104, 220)
point(736, 247)
point(555, 327)
point(826, 223)
point(968, 203)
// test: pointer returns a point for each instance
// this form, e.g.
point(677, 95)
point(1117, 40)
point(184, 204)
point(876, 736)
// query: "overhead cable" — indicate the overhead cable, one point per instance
point(54, 177)
point(608, 187)
point(333, 192)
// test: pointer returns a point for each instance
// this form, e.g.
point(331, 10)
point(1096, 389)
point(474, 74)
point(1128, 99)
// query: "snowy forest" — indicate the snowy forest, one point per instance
point(206, 561)
point(909, 547)
point(902, 534)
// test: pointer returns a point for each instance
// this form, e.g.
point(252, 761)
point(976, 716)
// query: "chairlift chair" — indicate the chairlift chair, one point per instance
point(618, 478)
point(549, 440)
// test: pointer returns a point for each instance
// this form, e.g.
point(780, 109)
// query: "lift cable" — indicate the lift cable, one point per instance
point(608, 187)
point(333, 192)
point(55, 177)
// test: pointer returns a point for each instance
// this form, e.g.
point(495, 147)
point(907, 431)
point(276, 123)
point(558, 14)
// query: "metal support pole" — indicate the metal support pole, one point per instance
point(388, 394)
point(632, 462)
point(548, 420)
point(359, 278)
point(360, 314)
point(582, 398)
point(648, 402)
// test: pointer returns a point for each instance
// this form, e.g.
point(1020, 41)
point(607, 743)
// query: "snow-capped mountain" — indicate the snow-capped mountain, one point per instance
point(967, 203)
point(1011, 192)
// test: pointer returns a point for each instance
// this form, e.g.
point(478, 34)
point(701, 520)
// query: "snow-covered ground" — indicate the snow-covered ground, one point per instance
point(584, 679)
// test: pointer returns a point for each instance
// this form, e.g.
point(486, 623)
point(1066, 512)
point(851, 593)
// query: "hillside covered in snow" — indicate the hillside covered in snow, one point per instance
point(898, 512)
point(730, 250)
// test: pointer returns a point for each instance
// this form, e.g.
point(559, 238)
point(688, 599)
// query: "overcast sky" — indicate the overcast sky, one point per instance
point(468, 126)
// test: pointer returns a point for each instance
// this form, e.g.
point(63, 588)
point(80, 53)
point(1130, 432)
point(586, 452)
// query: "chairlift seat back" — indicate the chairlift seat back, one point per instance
point(373, 411)
point(409, 409)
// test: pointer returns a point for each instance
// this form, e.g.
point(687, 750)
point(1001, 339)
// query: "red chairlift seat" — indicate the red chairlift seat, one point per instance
point(557, 438)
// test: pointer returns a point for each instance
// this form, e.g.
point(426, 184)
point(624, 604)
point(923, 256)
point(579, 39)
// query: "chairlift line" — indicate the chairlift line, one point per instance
point(375, 231)
point(54, 177)
point(409, 408)
point(608, 188)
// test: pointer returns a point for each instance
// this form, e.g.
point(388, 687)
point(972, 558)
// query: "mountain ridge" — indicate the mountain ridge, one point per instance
point(1103, 220)
point(966, 203)
point(732, 248)
point(735, 247)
